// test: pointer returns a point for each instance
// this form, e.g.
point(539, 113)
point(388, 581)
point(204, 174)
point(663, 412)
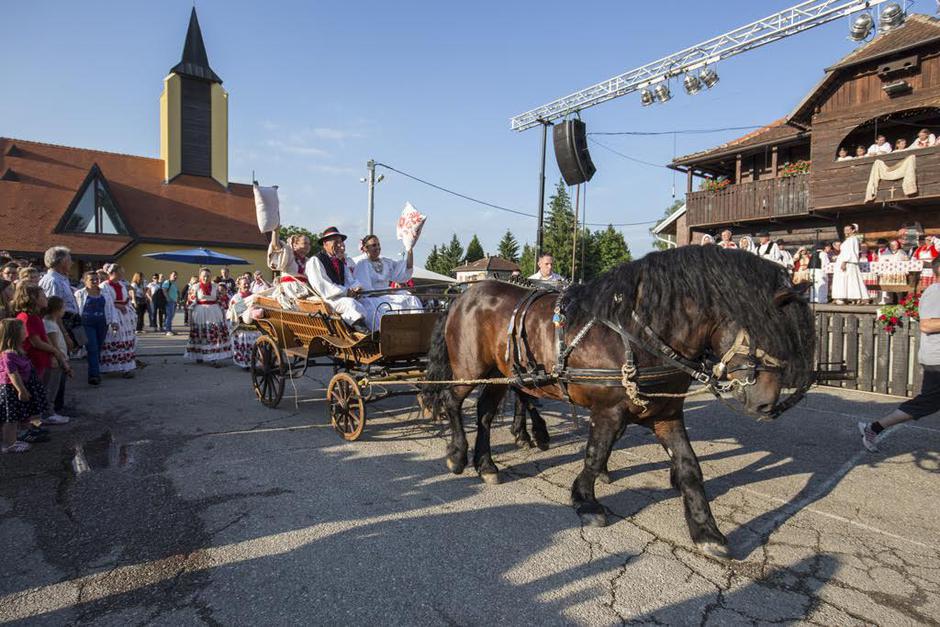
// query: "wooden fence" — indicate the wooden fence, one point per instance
point(884, 363)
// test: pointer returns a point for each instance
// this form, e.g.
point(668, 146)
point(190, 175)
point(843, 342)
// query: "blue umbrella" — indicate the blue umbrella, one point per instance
point(199, 256)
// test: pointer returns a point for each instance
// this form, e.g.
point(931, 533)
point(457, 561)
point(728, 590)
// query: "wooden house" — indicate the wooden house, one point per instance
point(787, 178)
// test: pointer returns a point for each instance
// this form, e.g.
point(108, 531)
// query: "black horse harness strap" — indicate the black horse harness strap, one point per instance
point(527, 371)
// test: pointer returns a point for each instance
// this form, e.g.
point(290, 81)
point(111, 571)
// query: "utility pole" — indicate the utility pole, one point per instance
point(370, 181)
point(538, 234)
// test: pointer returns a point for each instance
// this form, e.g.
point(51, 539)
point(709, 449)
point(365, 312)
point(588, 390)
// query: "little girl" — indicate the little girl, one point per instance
point(22, 395)
point(56, 374)
point(29, 301)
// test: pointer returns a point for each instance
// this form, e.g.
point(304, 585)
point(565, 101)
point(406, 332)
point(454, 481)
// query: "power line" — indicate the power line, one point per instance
point(616, 152)
point(694, 131)
point(450, 191)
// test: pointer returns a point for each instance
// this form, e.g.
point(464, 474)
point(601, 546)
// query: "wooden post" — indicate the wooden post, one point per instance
point(773, 161)
point(688, 181)
point(737, 169)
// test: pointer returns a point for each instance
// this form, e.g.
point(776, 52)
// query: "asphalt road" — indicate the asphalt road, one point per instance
point(198, 505)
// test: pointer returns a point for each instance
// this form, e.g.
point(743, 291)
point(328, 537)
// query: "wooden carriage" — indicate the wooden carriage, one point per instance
point(314, 335)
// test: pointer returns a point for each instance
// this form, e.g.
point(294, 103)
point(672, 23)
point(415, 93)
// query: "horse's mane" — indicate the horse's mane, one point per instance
point(727, 284)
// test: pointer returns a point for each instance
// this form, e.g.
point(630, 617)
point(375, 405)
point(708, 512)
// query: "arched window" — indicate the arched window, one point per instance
point(896, 126)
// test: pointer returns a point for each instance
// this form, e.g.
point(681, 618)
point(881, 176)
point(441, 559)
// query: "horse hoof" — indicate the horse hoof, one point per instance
point(592, 516)
point(490, 478)
point(543, 446)
point(604, 477)
point(713, 549)
point(455, 467)
point(523, 443)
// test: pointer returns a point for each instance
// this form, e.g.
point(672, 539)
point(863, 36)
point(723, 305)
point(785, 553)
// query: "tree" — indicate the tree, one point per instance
point(508, 247)
point(557, 234)
point(527, 261)
point(671, 209)
point(434, 258)
point(446, 257)
point(610, 249)
point(287, 230)
point(474, 250)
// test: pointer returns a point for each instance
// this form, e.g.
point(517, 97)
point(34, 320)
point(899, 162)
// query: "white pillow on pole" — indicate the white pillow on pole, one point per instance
point(267, 208)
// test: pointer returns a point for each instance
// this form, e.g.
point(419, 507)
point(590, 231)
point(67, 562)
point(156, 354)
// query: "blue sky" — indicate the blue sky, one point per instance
point(317, 89)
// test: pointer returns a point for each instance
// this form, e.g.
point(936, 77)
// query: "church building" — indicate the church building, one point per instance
point(106, 206)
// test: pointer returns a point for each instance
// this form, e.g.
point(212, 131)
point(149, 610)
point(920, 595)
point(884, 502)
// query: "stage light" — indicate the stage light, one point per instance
point(709, 77)
point(861, 27)
point(892, 16)
point(692, 84)
point(646, 97)
point(662, 92)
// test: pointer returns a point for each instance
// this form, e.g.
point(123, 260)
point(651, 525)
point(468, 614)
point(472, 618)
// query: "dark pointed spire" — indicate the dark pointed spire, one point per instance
point(195, 62)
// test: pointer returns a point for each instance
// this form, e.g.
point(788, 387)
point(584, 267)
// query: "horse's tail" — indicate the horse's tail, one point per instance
point(433, 396)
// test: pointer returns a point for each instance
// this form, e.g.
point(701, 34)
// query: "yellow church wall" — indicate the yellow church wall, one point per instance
point(171, 127)
point(133, 261)
point(219, 107)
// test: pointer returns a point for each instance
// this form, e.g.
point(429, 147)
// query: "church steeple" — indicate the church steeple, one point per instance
point(195, 61)
point(194, 115)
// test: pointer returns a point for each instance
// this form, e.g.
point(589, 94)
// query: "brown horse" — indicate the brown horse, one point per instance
point(700, 301)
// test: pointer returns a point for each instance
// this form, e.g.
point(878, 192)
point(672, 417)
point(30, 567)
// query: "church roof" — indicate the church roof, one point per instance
point(45, 179)
point(195, 61)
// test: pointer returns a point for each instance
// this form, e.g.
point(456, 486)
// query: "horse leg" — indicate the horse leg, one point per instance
point(539, 429)
point(487, 408)
point(604, 475)
point(686, 475)
point(457, 449)
point(518, 422)
point(605, 425)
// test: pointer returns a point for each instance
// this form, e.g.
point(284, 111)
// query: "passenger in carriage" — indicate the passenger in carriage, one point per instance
point(924, 139)
point(331, 277)
point(290, 260)
point(375, 272)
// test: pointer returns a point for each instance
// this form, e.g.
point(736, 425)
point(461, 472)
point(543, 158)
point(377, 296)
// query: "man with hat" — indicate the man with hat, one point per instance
point(767, 249)
point(330, 276)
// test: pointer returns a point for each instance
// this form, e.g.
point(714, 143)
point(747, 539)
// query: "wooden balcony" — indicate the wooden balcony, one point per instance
point(744, 202)
point(842, 184)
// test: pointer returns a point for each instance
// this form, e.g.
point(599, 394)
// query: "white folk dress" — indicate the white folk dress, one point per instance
point(243, 336)
point(209, 338)
point(119, 351)
point(848, 284)
point(348, 308)
point(377, 275)
point(820, 278)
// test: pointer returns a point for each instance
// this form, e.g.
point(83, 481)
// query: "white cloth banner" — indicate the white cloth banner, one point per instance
point(267, 207)
point(905, 170)
point(410, 224)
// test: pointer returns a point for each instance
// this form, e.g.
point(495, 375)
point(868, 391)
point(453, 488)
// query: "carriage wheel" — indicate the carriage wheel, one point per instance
point(347, 409)
point(267, 371)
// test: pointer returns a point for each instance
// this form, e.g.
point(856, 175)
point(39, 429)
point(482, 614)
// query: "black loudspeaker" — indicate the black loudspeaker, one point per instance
point(571, 152)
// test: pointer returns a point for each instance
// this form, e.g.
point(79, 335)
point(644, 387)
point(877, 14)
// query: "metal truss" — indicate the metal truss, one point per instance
point(792, 21)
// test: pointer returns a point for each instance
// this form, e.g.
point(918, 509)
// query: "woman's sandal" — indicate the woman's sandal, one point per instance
point(16, 447)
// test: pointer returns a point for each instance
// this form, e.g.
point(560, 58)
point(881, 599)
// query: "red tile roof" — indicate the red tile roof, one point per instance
point(489, 264)
point(45, 178)
point(774, 133)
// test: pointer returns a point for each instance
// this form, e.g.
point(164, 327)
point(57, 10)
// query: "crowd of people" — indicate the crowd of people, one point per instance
point(808, 264)
point(924, 139)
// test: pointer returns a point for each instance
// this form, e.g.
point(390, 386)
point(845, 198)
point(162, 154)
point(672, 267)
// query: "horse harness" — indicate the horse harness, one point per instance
point(710, 371)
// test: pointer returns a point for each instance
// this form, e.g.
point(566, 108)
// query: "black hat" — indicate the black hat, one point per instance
point(331, 231)
point(763, 234)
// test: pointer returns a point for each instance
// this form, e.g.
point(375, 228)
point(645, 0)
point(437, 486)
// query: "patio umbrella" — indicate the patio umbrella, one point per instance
point(199, 256)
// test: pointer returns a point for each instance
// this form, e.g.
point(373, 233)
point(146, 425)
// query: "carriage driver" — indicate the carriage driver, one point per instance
point(376, 272)
point(330, 275)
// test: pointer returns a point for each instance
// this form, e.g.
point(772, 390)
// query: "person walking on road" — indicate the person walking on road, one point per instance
point(928, 401)
point(172, 292)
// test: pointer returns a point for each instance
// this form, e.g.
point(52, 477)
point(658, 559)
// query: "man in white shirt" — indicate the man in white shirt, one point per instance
point(726, 241)
point(880, 147)
point(768, 249)
point(332, 279)
point(545, 265)
point(375, 272)
point(928, 401)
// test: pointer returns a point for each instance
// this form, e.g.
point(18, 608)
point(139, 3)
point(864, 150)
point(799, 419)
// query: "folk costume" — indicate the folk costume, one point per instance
point(288, 264)
point(119, 351)
point(728, 244)
point(771, 252)
point(817, 265)
point(331, 278)
point(925, 253)
point(848, 284)
point(243, 336)
point(208, 332)
point(12, 409)
point(378, 275)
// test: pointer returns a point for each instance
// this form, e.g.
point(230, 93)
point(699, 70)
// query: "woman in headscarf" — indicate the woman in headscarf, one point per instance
point(707, 239)
point(119, 351)
point(847, 282)
point(208, 332)
point(746, 244)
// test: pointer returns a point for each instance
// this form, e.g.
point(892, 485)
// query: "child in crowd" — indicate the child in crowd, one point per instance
point(22, 396)
point(55, 376)
point(29, 302)
point(28, 274)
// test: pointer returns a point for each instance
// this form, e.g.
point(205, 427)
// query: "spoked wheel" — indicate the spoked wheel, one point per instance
point(267, 371)
point(347, 409)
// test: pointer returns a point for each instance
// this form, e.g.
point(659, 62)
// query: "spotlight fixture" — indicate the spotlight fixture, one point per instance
point(692, 84)
point(892, 16)
point(861, 27)
point(709, 77)
point(646, 97)
point(662, 92)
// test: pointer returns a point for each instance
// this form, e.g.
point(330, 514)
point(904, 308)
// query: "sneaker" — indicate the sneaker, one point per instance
point(16, 447)
point(170, 334)
point(56, 419)
point(869, 437)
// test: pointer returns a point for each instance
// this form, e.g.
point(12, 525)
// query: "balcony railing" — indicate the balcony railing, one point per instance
point(758, 200)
